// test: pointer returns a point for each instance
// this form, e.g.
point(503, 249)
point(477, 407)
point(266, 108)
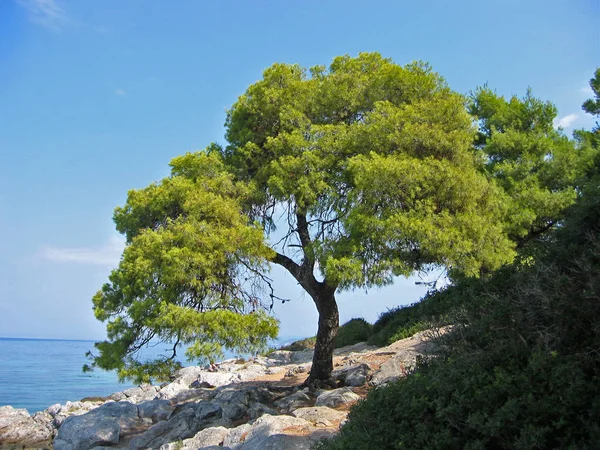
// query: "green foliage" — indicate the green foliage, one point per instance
point(435, 309)
point(303, 344)
point(521, 368)
point(184, 275)
point(545, 402)
point(378, 159)
point(372, 169)
point(536, 165)
point(592, 105)
point(353, 332)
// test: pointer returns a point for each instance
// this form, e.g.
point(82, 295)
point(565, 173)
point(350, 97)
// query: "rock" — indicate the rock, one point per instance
point(142, 393)
point(258, 409)
point(294, 401)
point(237, 436)
point(337, 397)
point(208, 437)
point(295, 370)
point(201, 384)
point(18, 427)
point(60, 412)
point(182, 424)
point(103, 425)
point(394, 368)
point(189, 375)
point(320, 415)
point(155, 410)
point(279, 357)
point(237, 401)
point(187, 395)
point(303, 356)
point(265, 431)
point(360, 347)
point(251, 370)
point(352, 375)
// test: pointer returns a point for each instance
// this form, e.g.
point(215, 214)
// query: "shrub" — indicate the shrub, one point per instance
point(543, 402)
point(303, 344)
point(353, 332)
point(523, 364)
point(435, 309)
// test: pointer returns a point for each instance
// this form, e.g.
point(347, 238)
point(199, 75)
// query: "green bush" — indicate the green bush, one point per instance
point(435, 309)
point(543, 402)
point(522, 364)
point(303, 344)
point(353, 332)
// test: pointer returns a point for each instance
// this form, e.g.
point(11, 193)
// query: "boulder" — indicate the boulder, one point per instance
point(60, 412)
point(18, 427)
point(155, 410)
point(355, 375)
point(195, 376)
point(103, 425)
point(184, 423)
point(194, 394)
point(269, 432)
point(304, 356)
point(258, 409)
point(337, 397)
point(251, 370)
point(279, 357)
point(141, 393)
point(207, 437)
point(293, 401)
point(361, 347)
point(236, 401)
point(237, 436)
point(395, 367)
point(297, 369)
point(320, 415)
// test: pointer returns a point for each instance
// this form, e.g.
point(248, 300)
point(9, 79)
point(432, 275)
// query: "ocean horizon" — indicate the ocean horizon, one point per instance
point(36, 373)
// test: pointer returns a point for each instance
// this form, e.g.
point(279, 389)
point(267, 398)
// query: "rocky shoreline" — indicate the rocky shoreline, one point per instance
point(243, 405)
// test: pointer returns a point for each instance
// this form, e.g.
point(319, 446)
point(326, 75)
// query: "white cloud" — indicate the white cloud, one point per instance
point(120, 92)
point(566, 121)
point(587, 90)
point(46, 13)
point(107, 254)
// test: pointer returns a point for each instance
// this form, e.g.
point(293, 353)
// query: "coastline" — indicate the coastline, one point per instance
point(263, 393)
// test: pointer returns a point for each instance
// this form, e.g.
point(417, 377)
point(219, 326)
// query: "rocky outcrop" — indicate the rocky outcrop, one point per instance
point(104, 425)
point(337, 397)
point(18, 427)
point(321, 415)
point(258, 404)
point(185, 424)
point(353, 375)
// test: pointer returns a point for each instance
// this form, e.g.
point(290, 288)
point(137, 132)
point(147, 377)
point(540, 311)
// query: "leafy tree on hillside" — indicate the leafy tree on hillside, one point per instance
point(520, 368)
point(367, 167)
point(538, 166)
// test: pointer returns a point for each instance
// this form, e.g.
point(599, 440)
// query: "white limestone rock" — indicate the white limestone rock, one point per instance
point(337, 397)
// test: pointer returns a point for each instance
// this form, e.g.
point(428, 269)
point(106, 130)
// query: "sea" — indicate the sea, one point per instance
point(37, 373)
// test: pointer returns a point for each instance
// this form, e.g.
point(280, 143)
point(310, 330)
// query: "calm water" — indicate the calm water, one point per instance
point(36, 373)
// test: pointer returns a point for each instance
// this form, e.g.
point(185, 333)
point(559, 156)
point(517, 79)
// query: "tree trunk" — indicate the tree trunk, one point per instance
point(329, 320)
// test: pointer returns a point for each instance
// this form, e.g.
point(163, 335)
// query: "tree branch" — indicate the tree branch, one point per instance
point(533, 233)
point(287, 263)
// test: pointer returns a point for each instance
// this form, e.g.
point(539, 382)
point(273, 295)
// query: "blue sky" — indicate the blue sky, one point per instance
point(98, 96)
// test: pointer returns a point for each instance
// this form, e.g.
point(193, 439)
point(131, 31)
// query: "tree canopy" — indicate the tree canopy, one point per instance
point(369, 169)
point(538, 166)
